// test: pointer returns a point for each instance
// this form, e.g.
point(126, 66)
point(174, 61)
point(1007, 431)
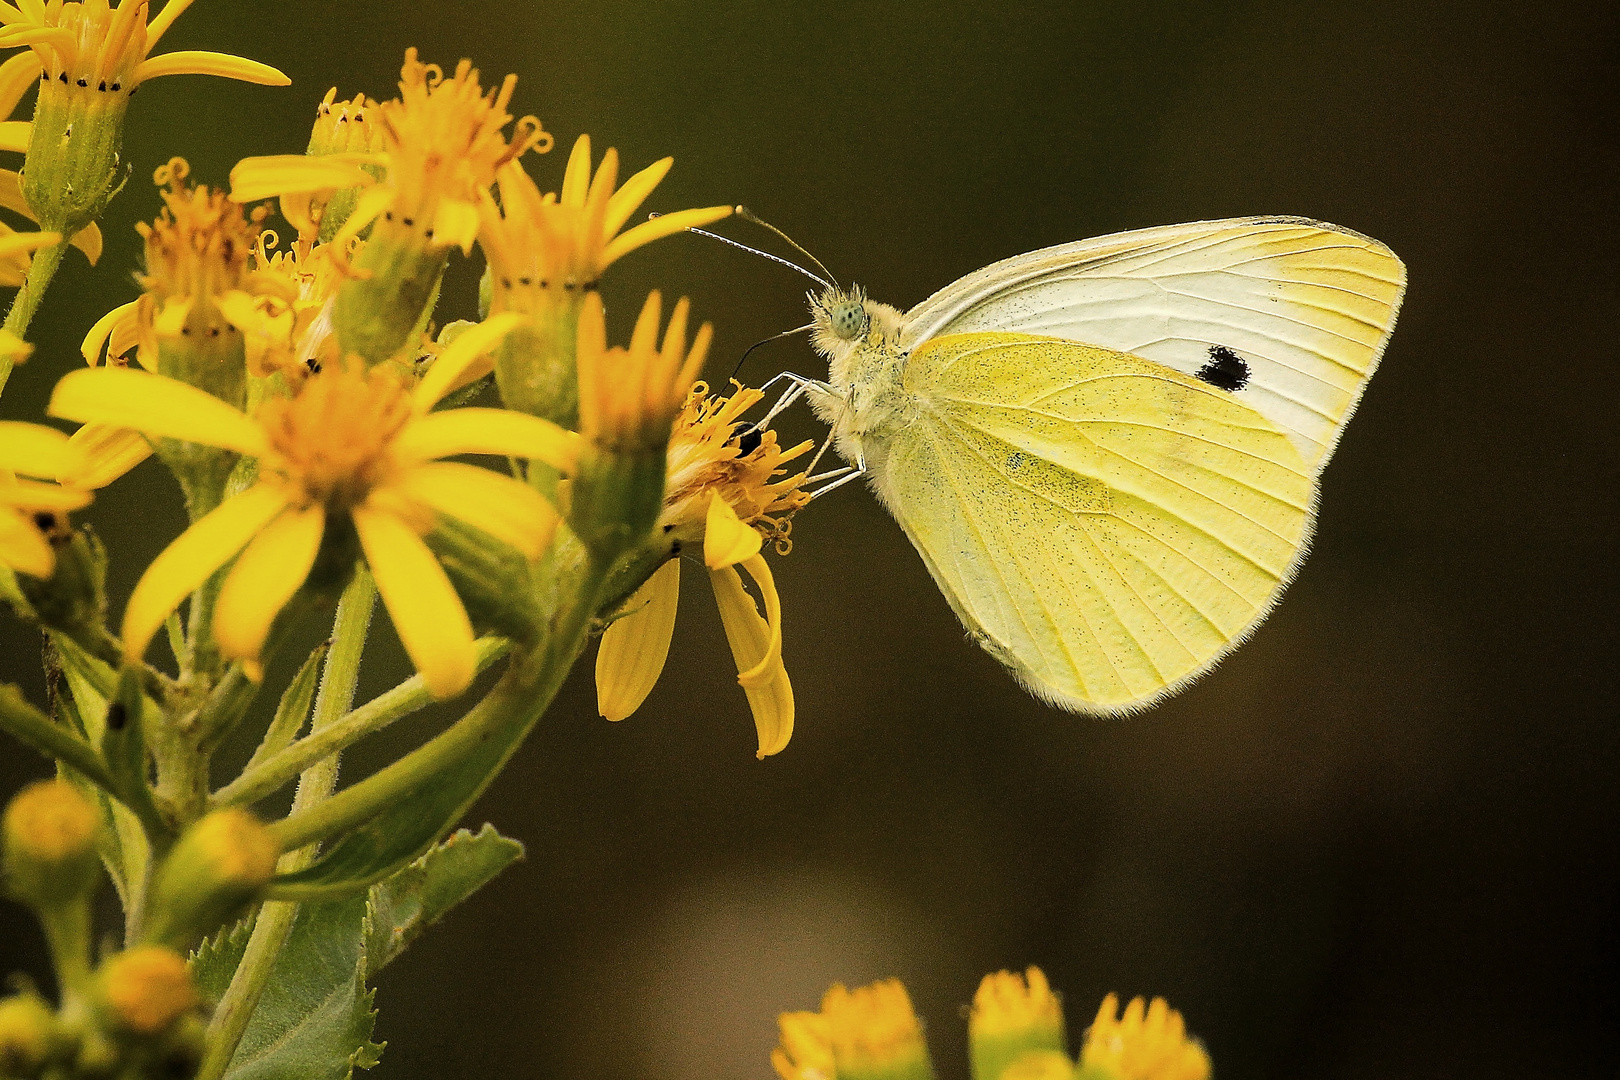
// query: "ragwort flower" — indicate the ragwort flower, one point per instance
point(1147, 1042)
point(89, 59)
point(722, 489)
point(350, 450)
point(25, 505)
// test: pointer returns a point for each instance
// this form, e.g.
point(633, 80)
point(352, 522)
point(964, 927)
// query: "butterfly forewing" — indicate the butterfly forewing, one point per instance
point(1105, 525)
point(1289, 315)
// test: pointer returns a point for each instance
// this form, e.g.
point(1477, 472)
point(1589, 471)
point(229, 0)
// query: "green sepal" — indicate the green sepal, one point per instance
point(74, 599)
point(378, 314)
point(615, 500)
point(315, 1019)
point(73, 170)
point(494, 580)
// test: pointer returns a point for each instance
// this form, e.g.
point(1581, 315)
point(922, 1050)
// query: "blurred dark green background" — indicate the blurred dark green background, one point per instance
point(1380, 841)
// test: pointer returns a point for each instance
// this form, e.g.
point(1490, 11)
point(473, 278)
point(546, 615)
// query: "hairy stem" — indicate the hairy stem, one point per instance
point(269, 775)
point(275, 918)
point(40, 271)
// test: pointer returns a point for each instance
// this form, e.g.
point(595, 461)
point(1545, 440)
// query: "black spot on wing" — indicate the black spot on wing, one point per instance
point(1225, 370)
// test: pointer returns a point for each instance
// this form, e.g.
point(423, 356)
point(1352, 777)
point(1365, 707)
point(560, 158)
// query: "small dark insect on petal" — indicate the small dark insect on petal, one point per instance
point(1226, 370)
point(748, 441)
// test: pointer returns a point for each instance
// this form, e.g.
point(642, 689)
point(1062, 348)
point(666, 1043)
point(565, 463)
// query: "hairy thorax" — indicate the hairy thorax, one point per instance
point(866, 400)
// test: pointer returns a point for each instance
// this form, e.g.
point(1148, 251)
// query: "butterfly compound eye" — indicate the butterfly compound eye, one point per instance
point(848, 319)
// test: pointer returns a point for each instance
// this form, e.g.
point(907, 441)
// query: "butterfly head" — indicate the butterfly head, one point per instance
point(844, 321)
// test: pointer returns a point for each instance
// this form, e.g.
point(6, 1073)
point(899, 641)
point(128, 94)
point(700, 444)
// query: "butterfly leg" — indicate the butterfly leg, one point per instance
point(837, 478)
point(800, 386)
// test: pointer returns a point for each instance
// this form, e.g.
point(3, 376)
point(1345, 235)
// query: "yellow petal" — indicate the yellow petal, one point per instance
point(507, 509)
point(36, 450)
point(33, 495)
point(88, 240)
point(14, 348)
point(456, 222)
point(14, 135)
point(473, 343)
point(16, 76)
point(210, 543)
point(761, 672)
point(635, 647)
point(265, 177)
point(96, 339)
point(109, 452)
point(125, 397)
point(264, 578)
point(577, 176)
point(163, 20)
point(22, 547)
point(659, 227)
point(427, 613)
point(197, 62)
point(631, 195)
point(18, 243)
point(489, 431)
point(749, 637)
point(726, 540)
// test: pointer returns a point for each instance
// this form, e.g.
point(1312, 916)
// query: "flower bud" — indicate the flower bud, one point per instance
point(146, 989)
point(50, 845)
point(1013, 1015)
point(874, 1034)
point(218, 864)
point(28, 1036)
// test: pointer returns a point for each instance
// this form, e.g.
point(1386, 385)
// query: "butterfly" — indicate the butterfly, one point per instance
point(1108, 453)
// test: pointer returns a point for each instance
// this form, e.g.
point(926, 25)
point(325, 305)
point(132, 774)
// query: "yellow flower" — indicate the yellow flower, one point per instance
point(536, 242)
point(88, 59)
point(442, 143)
point(16, 252)
point(108, 49)
point(805, 1052)
point(869, 1033)
point(1149, 1042)
point(27, 504)
point(351, 450)
point(731, 501)
point(147, 988)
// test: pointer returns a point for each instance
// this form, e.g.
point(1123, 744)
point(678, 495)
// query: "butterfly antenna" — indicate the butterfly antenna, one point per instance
point(748, 215)
point(762, 254)
point(767, 341)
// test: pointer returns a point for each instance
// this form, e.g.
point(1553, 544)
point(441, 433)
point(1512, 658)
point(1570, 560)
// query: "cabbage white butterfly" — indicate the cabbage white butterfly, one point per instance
point(1107, 452)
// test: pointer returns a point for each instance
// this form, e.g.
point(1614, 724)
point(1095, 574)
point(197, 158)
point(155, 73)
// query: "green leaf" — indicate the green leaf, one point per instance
point(293, 710)
point(315, 1019)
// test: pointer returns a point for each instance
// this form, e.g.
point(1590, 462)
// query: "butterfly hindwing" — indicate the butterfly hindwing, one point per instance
point(1106, 526)
point(1286, 314)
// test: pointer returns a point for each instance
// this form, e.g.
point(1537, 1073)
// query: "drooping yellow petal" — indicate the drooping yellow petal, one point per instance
point(634, 648)
point(109, 452)
point(507, 509)
point(125, 397)
point(448, 367)
point(37, 450)
point(726, 540)
point(199, 62)
point(456, 222)
point(265, 177)
point(22, 547)
point(210, 543)
point(33, 495)
point(17, 75)
point(265, 577)
point(762, 672)
point(88, 240)
point(427, 613)
point(749, 637)
point(489, 431)
point(660, 227)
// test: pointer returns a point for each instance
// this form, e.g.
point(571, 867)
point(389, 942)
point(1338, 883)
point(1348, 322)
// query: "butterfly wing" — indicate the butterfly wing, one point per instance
point(1291, 315)
point(1105, 526)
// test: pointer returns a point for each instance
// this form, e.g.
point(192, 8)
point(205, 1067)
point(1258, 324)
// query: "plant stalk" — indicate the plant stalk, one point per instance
point(40, 271)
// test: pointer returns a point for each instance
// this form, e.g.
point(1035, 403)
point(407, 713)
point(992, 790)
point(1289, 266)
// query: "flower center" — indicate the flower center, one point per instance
point(198, 248)
point(331, 443)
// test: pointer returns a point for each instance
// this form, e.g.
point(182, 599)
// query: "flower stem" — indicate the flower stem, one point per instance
point(512, 708)
point(40, 271)
point(412, 694)
point(275, 918)
point(33, 727)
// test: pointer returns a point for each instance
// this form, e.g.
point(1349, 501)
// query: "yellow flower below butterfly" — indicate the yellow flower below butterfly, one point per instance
point(1146, 1042)
point(349, 448)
